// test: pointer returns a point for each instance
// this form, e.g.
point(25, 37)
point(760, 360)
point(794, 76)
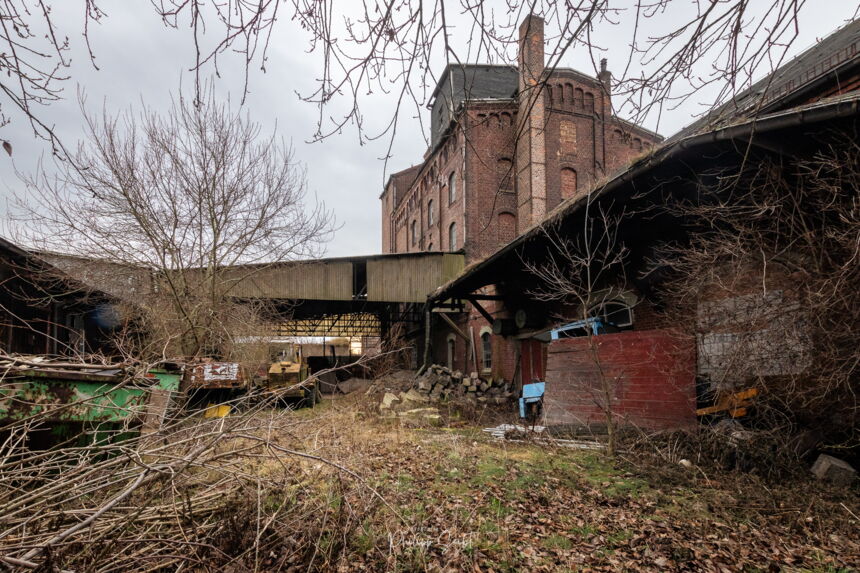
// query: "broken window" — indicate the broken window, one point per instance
point(606, 317)
point(744, 337)
point(616, 313)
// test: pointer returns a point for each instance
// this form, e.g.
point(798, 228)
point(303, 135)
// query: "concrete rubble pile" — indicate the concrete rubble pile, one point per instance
point(440, 384)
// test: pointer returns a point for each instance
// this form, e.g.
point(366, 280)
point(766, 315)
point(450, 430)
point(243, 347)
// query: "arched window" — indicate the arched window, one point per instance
point(614, 313)
point(589, 102)
point(452, 187)
point(414, 232)
point(486, 351)
point(452, 237)
point(577, 98)
point(451, 347)
point(430, 214)
point(568, 183)
point(430, 247)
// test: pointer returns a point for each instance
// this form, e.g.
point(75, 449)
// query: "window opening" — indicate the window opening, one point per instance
point(487, 347)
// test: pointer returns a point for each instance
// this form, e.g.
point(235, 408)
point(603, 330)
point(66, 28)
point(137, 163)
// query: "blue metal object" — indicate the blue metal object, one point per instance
point(595, 324)
point(531, 393)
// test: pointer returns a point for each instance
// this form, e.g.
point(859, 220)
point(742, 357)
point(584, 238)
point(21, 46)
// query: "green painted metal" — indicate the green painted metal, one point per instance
point(115, 397)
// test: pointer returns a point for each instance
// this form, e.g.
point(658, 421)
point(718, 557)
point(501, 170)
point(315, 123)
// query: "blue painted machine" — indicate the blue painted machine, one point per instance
point(594, 324)
point(532, 398)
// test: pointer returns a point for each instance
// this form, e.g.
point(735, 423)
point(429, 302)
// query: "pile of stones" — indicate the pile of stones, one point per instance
point(411, 407)
point(440, 383)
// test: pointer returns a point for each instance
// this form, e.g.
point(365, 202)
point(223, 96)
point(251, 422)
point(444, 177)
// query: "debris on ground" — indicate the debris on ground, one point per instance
point(411, 407)
point(829, 468)
point(354, 385)
point(535, 434)
point(393, 381)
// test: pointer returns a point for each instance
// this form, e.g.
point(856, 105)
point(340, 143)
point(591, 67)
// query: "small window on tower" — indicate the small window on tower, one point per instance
point(452, 237)
point(414, 233)
point(430, 215)
point(452, 187)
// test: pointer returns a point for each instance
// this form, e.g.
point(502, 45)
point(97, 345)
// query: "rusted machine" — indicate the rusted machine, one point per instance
point(213, 385)
point(288, 376)
point(215, 376)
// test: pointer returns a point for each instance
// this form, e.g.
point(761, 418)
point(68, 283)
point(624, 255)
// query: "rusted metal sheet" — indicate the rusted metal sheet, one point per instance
point(78, 395)
point(215, 375)
point(410, 278)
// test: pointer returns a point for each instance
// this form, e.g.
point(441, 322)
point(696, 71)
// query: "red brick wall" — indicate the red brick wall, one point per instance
point(651, 376)
point(490, 178)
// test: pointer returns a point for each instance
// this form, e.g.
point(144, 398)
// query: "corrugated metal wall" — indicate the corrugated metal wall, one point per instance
point(312, 280)
point(409, 279)
point(398, 278)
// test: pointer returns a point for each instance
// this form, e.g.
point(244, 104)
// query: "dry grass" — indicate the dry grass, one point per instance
point(337, 488)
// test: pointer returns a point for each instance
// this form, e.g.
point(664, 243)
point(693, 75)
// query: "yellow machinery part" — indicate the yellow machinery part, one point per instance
point(217, 411)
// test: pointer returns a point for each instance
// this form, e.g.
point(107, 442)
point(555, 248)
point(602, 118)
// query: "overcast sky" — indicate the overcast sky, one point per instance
point(141, 60)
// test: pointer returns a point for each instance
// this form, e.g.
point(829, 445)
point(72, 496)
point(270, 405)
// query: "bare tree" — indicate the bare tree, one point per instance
point(675, 48)
point(582, 272)
point(172, 214)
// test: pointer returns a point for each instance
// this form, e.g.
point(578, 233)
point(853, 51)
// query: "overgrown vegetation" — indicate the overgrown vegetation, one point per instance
point(271, 490)
point(767, 286)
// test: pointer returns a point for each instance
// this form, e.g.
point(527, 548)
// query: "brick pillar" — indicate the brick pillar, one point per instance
point(605, 77)
point(531, 145)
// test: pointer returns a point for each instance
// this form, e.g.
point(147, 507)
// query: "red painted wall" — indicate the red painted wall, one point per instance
point(651, 374)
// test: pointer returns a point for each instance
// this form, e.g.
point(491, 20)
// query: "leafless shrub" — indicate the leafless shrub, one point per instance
point(767, 284)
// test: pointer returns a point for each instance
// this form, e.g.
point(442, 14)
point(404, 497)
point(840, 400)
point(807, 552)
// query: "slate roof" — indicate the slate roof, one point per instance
point(833, 58)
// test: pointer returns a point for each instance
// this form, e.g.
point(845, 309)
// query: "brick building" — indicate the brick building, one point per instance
point(658, 359)
point(508, 145)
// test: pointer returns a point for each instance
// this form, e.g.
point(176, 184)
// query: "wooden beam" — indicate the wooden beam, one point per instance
point(481, 309)
point(455, 327)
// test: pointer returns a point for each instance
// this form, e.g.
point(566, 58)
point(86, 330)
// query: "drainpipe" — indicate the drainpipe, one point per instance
point(428, 308)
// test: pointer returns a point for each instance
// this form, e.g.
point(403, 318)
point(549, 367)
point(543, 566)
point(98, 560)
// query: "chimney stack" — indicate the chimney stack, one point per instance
point(605, 77)
point(531, 144)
